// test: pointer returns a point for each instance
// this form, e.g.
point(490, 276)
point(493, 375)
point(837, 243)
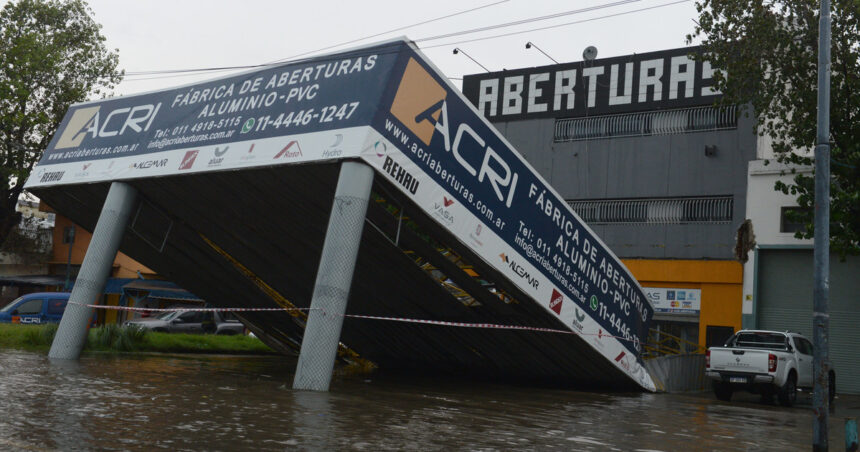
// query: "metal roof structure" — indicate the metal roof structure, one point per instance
point(234, 206)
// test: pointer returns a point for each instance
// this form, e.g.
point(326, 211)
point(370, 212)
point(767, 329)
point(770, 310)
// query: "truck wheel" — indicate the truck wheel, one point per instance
point(767, 395)
point(832, 387)
point(788, 391)
point(723, 391)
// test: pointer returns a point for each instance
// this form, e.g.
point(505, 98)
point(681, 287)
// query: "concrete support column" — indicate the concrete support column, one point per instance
point(334, 278)
point(72, 333)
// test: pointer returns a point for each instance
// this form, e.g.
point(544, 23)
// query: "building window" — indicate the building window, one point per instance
point(69, 234)
point(789, 221)
point(707, 210)
point(658, 122)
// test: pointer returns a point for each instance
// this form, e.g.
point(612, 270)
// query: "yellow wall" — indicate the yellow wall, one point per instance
point(721, 283)
point(123, 266)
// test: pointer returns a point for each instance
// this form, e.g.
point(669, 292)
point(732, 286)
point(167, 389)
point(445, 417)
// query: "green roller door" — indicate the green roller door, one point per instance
point(785, 303)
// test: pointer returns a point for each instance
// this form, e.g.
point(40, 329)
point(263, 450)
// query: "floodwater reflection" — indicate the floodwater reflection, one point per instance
point(245, 403)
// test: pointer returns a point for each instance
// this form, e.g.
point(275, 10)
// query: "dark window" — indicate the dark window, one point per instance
point(192, 317)
point(771, 341)
point(803, 345)
point(69, 234)
point(30, 307)
point(707, 210)
point(716, 336)
point(788, 221)
point(56, 307)
point(660, 122)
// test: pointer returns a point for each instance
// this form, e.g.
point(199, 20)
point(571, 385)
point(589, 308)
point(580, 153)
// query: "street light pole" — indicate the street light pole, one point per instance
point(821, 278)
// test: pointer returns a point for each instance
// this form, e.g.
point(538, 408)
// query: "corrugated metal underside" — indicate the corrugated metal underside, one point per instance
point(273, 222)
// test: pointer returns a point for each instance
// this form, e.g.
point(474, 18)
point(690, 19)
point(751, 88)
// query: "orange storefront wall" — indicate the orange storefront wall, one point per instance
point(721, 283)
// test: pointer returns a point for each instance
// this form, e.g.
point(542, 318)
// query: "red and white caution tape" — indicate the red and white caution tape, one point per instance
point(129, 308)
point(494, 326)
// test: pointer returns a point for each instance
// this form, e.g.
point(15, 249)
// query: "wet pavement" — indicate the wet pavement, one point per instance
point(154, 402)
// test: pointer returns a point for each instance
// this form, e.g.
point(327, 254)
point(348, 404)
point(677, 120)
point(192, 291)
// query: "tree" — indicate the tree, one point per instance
point(53, 55)
point(770, 52)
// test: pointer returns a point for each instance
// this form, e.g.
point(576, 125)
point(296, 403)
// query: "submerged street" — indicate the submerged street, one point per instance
point(243, 403)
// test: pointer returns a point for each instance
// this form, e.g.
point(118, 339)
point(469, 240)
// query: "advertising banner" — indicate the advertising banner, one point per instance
point(645, 81)
point(311, 110)
point(387, 105)
point(435, 147)
point(678, 301)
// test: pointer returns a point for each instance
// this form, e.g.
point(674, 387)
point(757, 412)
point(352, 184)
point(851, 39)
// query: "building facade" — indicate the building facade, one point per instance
point(636, 147)
point(778, 276)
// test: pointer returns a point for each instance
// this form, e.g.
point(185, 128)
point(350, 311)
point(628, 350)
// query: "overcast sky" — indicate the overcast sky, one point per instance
point(157, 35)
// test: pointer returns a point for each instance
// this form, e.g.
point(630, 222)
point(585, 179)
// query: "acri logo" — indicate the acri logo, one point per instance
point(87, 121)
point(420, 104)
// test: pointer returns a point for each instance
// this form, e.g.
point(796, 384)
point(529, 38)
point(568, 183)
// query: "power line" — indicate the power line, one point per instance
point(189, 72)
point(392, 30)
point(557, 26)
point(526, 21)
point(321, 49)
point(204, 69)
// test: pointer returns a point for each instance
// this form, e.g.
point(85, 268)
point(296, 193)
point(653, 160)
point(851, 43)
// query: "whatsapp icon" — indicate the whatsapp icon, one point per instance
point(249, 124)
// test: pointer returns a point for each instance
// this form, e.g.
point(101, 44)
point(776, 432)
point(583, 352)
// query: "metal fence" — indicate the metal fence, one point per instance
point(663, 122)
point(710, 209)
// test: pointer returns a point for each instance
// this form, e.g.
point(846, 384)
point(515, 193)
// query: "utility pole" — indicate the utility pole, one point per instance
point(821, 278)
point(69, 237)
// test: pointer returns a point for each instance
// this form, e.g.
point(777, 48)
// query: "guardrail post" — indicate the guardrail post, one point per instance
point(334, 278)
point(72, 333)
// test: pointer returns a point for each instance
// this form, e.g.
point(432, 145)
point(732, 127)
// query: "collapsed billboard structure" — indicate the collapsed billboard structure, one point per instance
point(235, 179)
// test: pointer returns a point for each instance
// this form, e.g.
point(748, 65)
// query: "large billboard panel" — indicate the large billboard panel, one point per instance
point(434, 146)
point(641, 82)
point(387, 105)
point(310, 110)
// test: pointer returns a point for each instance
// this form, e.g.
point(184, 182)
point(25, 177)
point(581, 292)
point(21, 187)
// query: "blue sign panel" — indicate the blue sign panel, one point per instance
point(444, 137)
point(318, 94)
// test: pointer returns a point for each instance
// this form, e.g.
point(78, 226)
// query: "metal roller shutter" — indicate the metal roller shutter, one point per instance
point(785, 303)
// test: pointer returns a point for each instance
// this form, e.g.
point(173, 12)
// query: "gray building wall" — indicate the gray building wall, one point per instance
point(662, 166)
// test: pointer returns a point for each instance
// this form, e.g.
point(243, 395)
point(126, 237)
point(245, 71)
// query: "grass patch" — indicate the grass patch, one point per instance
point(27, 337)
point(113, 338)
point(205, 343)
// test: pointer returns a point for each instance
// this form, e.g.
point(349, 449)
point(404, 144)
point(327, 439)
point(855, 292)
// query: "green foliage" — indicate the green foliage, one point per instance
point(27, 337)
point(770, 51)
point(53, 54)
point(205, 343)
point(115, 337)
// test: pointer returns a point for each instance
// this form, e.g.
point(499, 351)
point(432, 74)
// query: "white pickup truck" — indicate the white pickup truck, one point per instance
point(763, 362)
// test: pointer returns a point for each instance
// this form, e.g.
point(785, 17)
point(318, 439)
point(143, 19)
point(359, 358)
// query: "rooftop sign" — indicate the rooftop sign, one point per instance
point(646, 81)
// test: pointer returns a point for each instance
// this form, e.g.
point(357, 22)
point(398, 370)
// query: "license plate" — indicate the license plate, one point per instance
point(737, 379)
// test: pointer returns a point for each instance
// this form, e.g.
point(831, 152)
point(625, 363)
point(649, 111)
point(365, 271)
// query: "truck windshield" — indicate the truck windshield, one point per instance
point(11, 305)
point(774, 341)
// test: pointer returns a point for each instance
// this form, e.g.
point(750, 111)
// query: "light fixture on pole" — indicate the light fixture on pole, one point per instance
point(458, 50)
point(530, 44)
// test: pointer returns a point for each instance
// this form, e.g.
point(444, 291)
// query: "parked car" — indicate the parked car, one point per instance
point(763, 362)
point(36, 308)
point(227, 323)
point(192, 322)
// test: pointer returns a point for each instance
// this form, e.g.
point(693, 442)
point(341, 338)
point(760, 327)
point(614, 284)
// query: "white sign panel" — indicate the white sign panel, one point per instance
point(679, 301)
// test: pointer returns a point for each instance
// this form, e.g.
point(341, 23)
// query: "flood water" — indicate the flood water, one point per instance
point(245, 403)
